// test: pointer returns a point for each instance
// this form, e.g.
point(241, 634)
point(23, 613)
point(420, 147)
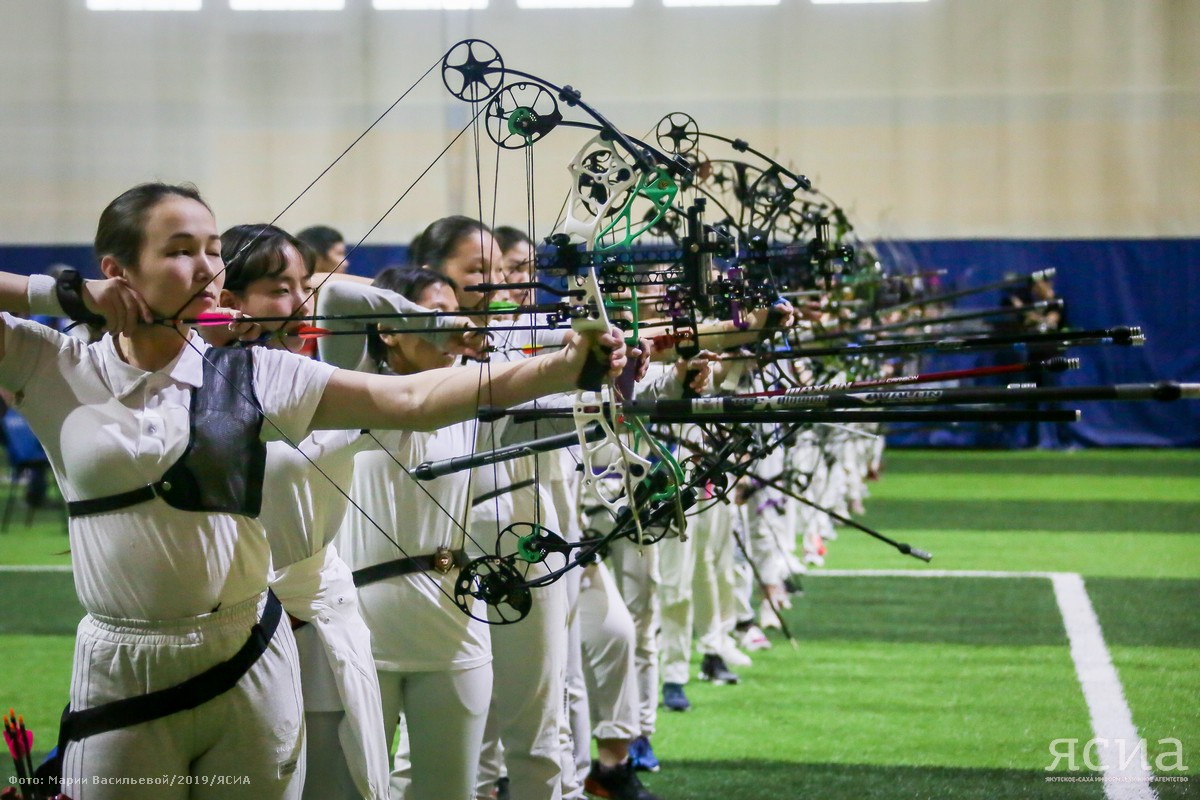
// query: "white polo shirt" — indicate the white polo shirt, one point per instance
point(108, 427)
point(415, 625)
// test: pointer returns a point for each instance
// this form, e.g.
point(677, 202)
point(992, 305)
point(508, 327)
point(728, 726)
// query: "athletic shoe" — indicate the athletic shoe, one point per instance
point(617, 783)
point(712, 668)
point(734, 657)
point(674, 698)
point(502, 788)
point(641, 755)
point(754, 639)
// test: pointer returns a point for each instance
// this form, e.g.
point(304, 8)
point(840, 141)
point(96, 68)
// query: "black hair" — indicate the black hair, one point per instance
point(252, 252)
point(411, 284)
point(320, 238)
point(121, 231)
point(508, 237)
point(437, 242)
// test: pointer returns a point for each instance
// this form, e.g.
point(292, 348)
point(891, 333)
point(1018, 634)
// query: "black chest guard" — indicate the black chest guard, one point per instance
point(223, 465)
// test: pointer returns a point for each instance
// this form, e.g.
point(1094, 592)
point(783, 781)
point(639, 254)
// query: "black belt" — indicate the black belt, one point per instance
point(483, 498)
point(213, 682)
point(195, 691)
point(113, 502)
point(442, 561)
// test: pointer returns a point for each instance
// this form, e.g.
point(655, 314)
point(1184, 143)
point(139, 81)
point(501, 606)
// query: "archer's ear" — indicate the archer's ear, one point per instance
point(390, 340)
point(228, 299)
point(111, 268)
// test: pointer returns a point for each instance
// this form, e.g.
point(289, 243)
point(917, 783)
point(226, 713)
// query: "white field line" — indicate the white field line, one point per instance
point(1126, 774)
point(35, 568)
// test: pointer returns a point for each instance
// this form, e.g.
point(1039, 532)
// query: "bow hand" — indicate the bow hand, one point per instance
point(468, 339)
point(694, 373)
point(597, 356)
point(769, 320)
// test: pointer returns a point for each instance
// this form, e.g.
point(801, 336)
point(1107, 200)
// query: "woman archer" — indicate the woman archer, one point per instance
point(158, 442)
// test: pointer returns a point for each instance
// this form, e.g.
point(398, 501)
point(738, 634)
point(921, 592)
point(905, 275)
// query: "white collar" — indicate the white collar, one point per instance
point(123, 379)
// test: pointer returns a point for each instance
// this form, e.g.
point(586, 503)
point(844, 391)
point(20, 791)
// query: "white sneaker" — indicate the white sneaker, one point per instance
point(735, 658)
point(754, 639)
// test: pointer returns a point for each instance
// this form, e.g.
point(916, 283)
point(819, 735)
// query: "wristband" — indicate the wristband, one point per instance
point(43, 297)
point(69, 290)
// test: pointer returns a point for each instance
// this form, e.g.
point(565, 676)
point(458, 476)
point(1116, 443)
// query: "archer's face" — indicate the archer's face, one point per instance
point(179, 271)
point(288, 294)
point(333, 259)
point(472, 262)
point(409, 353)
point(518, 268)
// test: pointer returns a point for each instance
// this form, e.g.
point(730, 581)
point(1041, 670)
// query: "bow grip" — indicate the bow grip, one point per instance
point(594, 371)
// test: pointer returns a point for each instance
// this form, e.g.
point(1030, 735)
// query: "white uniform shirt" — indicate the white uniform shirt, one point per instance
point(107, 428)
point(302, 504)
point(415, 625)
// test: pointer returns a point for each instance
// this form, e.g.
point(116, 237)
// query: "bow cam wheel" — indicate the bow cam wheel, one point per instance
point(677, 132)
point(524, 544)
point(473, 70)
point(498, 586)
point(521, 114)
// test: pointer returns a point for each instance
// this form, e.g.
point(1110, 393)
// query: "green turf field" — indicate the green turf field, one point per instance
point(947, 687)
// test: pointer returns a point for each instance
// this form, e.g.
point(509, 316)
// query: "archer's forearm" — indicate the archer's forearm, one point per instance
point(14, 293)
point(430, 400)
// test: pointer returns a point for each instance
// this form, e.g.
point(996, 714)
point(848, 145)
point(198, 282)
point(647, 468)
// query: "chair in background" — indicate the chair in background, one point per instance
point(28, 462)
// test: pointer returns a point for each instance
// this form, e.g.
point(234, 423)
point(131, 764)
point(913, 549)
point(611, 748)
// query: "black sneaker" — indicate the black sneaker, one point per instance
point(617, 783)
point(713, 668)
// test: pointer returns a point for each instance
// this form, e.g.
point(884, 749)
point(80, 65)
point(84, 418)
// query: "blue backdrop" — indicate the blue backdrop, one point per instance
point(1154, 283)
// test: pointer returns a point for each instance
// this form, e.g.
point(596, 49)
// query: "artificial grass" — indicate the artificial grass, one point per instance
point(39, 603)
point(961, 487)
point(968, 514)
point(35, 683)
point(971, 611)
point(902, 688)
point(1162, 685)
point(1028, 463)
point(748, 779)
point(1148, 613)
point(902, 704)
point(1134, 555)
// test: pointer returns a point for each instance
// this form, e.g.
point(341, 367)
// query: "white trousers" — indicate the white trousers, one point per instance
point(327, 776)
point(529, 664)
point(445, 712)
point(609, 639)
point(574, 726)
point(636, 571)
point(696, 592)
point(247, 743)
